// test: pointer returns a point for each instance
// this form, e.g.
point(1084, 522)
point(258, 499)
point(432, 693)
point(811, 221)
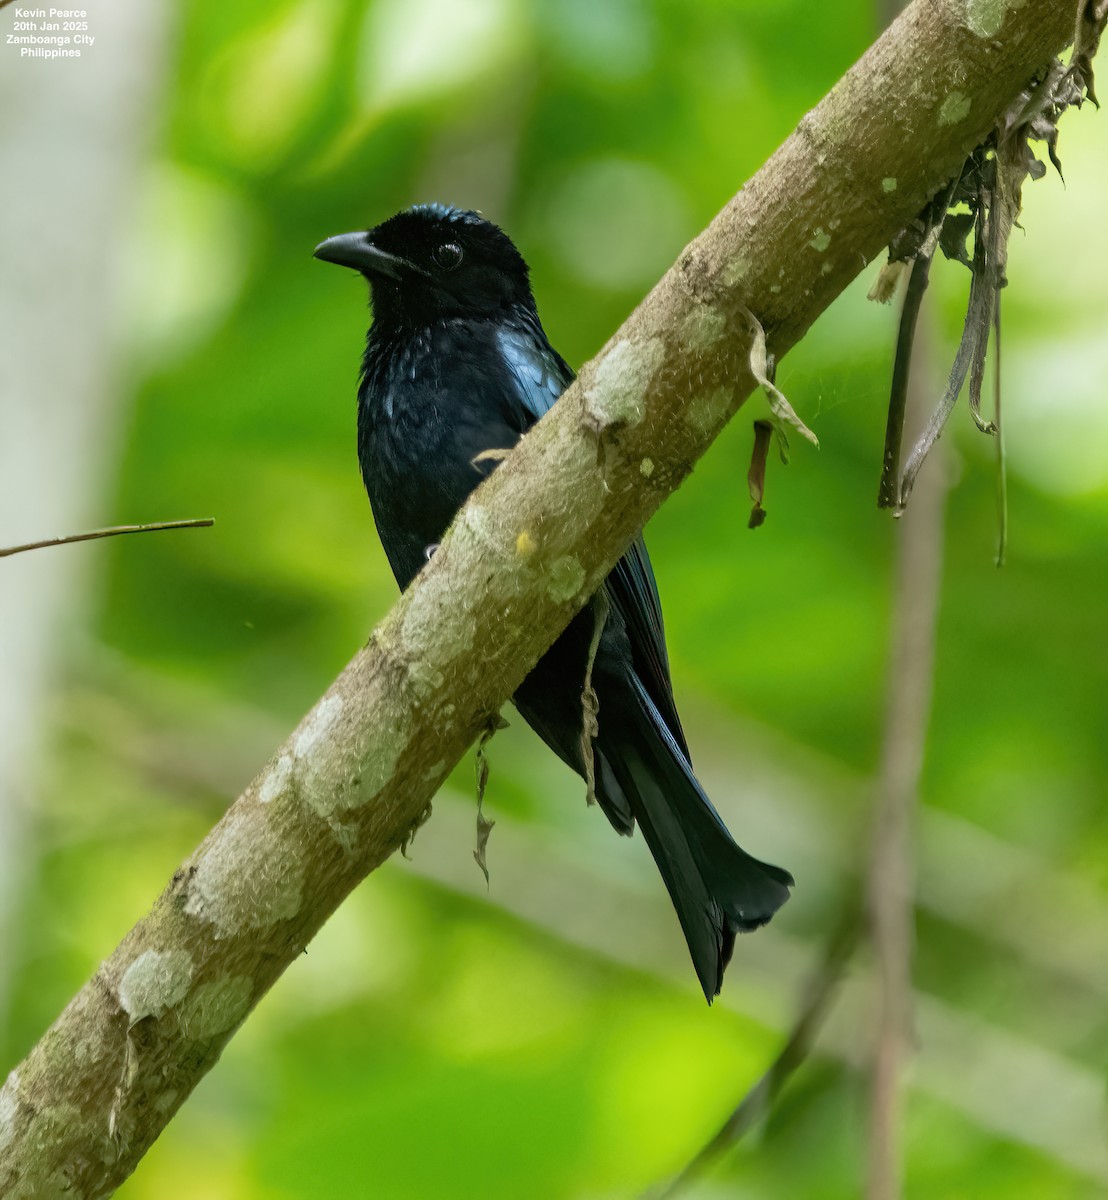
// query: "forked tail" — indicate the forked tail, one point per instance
point(717, 889)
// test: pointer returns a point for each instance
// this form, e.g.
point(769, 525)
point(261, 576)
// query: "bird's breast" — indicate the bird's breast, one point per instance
point(417, 446)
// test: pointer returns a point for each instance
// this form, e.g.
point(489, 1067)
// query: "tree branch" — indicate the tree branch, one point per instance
point(359, 772)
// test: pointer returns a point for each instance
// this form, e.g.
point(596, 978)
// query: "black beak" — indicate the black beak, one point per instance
point(357, 251)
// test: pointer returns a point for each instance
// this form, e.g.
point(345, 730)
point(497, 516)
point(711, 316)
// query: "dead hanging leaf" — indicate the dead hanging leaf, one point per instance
point(761, 367)
point(756, 476)
point(954, 235)
point(484, 826)
point(590, 702)
point(887, 281)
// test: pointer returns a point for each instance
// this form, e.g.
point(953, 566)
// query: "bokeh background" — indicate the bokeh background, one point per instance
point(170, 349)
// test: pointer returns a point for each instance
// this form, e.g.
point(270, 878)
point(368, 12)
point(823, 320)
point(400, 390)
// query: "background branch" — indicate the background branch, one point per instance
point(757, 1102)
point(357, 774)
point(112, 531)
point(891, 885)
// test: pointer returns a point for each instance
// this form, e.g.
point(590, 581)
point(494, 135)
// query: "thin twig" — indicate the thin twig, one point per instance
point(978, 317)
point(888, 495)
point(986, 254)
point(759, 1100)
point(112, 531)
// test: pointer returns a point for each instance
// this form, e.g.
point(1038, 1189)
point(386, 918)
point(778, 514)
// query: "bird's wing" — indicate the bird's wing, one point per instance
point(632, 588)
point(541, 375)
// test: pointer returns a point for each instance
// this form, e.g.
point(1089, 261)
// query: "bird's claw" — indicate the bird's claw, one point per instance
point(494, 455)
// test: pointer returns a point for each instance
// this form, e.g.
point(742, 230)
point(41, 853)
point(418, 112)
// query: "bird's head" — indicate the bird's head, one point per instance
point(432, 262)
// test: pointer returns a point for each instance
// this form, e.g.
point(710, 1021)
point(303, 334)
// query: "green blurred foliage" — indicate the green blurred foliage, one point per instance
point(433, 1043)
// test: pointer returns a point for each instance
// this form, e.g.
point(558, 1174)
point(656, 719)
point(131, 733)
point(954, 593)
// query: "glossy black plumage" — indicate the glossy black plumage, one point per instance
point(457, 363)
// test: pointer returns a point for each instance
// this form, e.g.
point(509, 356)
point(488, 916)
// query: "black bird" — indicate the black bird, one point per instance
point(457, 363)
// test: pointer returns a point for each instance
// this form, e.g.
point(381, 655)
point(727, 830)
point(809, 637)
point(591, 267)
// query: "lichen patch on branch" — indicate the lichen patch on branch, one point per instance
point(706, 410)
point(954, 108)
point(703, 327)
point(567, 577)
point(321, 718)
point(985, 17)
point(477, 520)
point(277, 780)
point(433, 616)
point(232, 897)
point(9, 1108)
point(156, 981)
point(735, 270)
point(618, 389)
point(216, 1006)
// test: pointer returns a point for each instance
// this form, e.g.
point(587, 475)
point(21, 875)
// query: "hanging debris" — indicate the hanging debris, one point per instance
point(484, 826)
point(756, 476)
point(982, 202)
point(782, 417)
point(600, 607)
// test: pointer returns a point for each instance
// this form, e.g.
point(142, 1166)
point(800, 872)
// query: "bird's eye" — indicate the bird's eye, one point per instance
point(448, 256)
